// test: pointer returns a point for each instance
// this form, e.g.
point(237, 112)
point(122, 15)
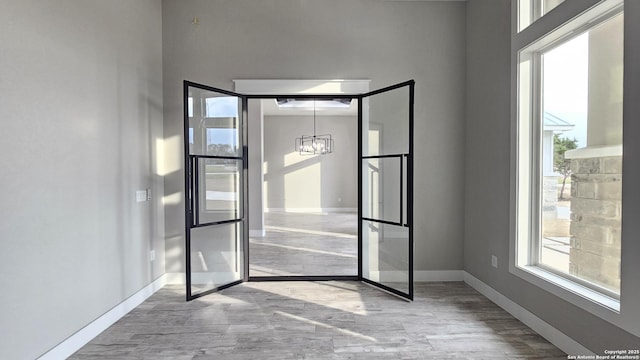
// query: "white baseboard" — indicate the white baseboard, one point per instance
point(553, 335)
point(312, 210)
point(340, 210)
point(74, 342)
point(257, 233)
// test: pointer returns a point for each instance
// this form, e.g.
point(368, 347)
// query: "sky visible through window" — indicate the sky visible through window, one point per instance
point(566, 84)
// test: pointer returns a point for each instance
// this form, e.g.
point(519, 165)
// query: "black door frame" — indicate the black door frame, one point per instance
point(244, 98)
point(192, 189)
point(408, 218)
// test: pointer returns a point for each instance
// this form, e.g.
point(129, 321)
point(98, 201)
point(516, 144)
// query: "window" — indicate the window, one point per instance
point(569, 152)
point(531, 10)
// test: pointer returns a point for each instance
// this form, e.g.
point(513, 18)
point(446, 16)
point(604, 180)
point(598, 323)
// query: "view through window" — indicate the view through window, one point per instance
point(577, 167)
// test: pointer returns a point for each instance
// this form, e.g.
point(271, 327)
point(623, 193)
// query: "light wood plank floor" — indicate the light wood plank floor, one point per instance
point(319, 320)
point(306, 244)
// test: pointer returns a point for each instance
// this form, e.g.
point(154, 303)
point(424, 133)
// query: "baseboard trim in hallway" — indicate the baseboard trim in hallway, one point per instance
point(311, 210)
point(553, 335)
point(81, 337)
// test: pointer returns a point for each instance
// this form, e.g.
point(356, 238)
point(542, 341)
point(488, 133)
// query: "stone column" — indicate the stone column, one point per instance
point(596, 209)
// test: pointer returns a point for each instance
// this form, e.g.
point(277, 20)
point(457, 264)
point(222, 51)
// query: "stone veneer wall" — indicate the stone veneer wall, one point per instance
point(596, 209)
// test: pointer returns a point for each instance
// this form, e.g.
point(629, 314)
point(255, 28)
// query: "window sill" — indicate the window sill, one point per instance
point(590, 300)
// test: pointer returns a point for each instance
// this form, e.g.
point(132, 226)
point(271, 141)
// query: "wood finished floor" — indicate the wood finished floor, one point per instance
point(319, 320)
point(306, 244)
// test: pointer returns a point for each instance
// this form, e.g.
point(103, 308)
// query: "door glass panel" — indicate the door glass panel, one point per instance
point(216, 256)
point(386, 189)
point(385, 254)
point(220, 195)
point(216, 230)
point(386, 123)
point(381, 179)
point(214, 123)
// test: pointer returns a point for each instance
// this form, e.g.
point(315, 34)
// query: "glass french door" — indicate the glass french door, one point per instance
point(216, 187)
point(386, 189)
point(215, 134)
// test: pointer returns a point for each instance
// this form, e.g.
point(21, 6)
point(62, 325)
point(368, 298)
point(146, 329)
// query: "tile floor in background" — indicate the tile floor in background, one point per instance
point(306, 244)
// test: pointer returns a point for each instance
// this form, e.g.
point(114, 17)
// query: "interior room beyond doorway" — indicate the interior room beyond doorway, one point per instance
point(309, 202)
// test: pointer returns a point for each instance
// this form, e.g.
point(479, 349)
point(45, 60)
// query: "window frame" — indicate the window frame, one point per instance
point(535, 10)
point(575, 15)
point(535, 54)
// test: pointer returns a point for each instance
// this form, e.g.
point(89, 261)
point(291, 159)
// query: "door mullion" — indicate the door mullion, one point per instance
point(221, 227)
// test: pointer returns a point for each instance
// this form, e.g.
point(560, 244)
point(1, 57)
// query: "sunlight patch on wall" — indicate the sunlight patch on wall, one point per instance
point(303, 187)
point(168, 155)
point(325, 88)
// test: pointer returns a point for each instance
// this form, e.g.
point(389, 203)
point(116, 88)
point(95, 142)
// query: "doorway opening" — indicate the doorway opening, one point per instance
point(309, 198)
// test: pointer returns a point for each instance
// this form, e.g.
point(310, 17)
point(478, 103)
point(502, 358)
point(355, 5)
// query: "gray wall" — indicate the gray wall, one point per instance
point(300, 181)
point(385, 41)
point(487, 180)
point(81, 110)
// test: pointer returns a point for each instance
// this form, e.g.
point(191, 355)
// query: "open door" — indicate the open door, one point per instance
point(386, 189)
point(217, 234)
point(215, 188)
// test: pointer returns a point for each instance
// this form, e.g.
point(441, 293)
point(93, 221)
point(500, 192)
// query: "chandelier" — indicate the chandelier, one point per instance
point(314, 144)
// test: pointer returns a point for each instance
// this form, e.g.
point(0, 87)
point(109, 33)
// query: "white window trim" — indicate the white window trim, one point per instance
point(531, 141)
point(596, 303)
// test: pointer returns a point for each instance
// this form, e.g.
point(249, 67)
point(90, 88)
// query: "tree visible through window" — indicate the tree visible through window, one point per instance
point(562, 165)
